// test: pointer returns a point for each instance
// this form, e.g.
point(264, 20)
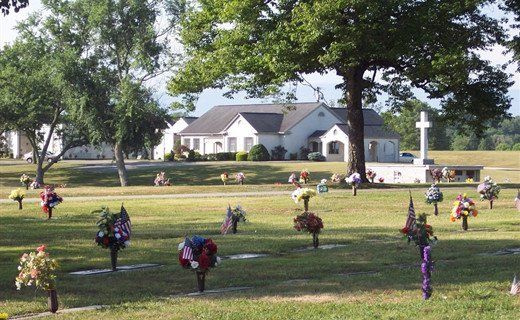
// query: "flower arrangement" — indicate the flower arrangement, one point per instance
point(354, 180)
point(50, 199)
point(336, 178)
point(488, 190)
point(240, 177)
point(39, 269)
point(237, 214)
point(311, 223)
point(322, 186)
point(447, 174)
point(198, 254)
point(469, 180)
point(434, 196)
point(17, 195)
point(224, 177)
point(304, 176)
point(114, 232)
point(26, 181)
point(371, 174)
point(35, 185)
point(305, 194)
point(462, 208)
point(381, 179)
point(436, 175)
point(160, 180)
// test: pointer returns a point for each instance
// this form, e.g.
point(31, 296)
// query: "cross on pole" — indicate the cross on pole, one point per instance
point(424, 124)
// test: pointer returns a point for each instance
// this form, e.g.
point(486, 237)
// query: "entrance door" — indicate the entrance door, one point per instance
point(372, 151)
point(217, 147)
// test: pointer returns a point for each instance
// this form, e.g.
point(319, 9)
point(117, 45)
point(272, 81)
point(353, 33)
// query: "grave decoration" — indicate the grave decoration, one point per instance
point(336, 178)
point(114, 232)
point(462, 208)
point(488, 190)
point(447, 174)
point(421, 233)
point(311, 223)
point(160, 180)
point(515, 286)
point(304, 176)
point(38, 269)
point(434, 196)
point(469, 180)
point(50, 199)
point(354, 180)
point(35, 185)
point(305, 194)
point(198, 254)
point(26, 181)
point(436, 175)
point(371, 175)
point(233, 216)
point(240, 177)
point(292, 178)
point(381, 179)
point(17, 195)
point(322, 186)
point(224, 177)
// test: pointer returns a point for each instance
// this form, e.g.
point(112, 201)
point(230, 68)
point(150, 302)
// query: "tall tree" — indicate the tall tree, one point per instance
point(123, 44)
point(259, 45)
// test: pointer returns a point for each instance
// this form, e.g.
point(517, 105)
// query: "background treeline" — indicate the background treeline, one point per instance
point(503, 135)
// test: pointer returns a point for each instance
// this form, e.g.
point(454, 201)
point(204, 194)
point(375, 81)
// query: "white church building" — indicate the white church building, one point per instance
point(232, 128)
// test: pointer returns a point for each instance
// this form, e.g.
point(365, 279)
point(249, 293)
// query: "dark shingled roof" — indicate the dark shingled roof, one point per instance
point(370, 117)
point(264, 122)
point(218, 117)
point(373, 132)
point(317, 133)
point(189, 120)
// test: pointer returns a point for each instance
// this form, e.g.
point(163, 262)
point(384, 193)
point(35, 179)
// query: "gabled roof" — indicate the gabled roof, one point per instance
point(317, 133)
point(373, 132)
point(370, 117)
point(263, 122)
point(217, 118)
point(189, 120)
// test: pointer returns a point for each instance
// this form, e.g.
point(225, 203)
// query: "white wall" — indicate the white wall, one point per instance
point(298, 135)
point(335, 134)
point(382, 153)
point(270, 141)
point(89, 152)
point(240, 129)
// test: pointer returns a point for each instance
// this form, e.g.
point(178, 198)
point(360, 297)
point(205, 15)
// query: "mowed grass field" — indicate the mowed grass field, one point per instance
point(286, 285)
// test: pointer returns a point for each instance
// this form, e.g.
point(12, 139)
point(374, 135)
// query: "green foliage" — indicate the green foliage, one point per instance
point(486, 143)
point(516, 147)
point(168, 156)
point(304, 152)
point(278, 153)
point(258, 153)
point(316, 156)
point(464, 142)
point(225, 156)
point(191, 156)
point(502, 147)
point(241, 156)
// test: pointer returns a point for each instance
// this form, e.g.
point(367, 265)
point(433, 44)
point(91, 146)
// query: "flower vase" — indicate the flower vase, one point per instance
point(490, 204)
point(354, 190)
point(435, 209)
point(20, 207)
point(26, 187)
point(241, 182)
point(113, 257)
point(49, 214)
point(235, 223)
point(201, 280)
point(306, 204)
point(315, 240)
point(52, 300)
point(464, 223)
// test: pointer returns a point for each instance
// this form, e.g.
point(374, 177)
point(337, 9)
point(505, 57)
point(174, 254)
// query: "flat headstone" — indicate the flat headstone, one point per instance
point(213, 291)
point(296, 281)
point(360, 273)
point(322, 247)
point(477, 230)
point(245, 256)
point(501, 252)
point(119, 269)
point(63, 311)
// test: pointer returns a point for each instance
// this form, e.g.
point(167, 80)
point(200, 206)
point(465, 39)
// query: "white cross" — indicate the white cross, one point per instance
point(424, 124)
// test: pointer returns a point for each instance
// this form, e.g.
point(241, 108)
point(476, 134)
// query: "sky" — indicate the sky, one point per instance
point(326, 82)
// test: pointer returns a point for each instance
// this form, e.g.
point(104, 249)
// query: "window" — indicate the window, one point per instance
point(334, 147)
point(248, 143)
point(196, 144)
point(232, 144)
point(186, 142)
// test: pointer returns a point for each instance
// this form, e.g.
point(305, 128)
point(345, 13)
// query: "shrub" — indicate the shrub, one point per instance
point(293, 156)
point(258, 153)
point(168, 156)
point(315, 156)
point(502, 147)
point(211, 157)
point(191, 156)
point(278, 153)
point(241, 156)
point(226, 156)
point(516, 147)
point(199, 157)
point(304, 153)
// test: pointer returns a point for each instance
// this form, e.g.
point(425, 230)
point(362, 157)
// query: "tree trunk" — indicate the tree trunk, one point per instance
point(120, 163)
point(353, 80)
point(39, 173)
point(354, 190)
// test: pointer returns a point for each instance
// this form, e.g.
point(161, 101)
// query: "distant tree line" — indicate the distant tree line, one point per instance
point(502, 135)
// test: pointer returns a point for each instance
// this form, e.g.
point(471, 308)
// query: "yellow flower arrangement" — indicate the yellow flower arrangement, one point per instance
point(17, 194)
point(306, 193)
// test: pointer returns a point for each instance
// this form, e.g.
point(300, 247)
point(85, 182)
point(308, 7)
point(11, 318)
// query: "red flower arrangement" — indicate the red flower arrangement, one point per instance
point(311, 223)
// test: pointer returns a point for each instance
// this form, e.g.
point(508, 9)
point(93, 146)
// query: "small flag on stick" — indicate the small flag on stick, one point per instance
point(410, 220)
point(228, 221)
point(515, 286)
point(187, 252)
point(123, 222)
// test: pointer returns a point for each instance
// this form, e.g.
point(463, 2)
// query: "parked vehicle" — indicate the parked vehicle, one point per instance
point(29, 157)
point(406, 157)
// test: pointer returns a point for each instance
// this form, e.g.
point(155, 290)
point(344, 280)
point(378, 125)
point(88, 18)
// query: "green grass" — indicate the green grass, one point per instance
point(466, 285)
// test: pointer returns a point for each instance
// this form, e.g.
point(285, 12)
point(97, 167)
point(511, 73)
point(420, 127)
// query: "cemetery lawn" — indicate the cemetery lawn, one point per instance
point(287, 285)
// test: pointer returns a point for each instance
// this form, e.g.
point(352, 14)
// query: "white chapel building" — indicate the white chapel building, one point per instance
point(232, 128)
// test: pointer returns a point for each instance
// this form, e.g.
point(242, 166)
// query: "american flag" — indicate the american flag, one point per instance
point(411, 214)
point(515, 286)
point(517, 200)
point(123, 222)
point(187, 252)
point(228, 220)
